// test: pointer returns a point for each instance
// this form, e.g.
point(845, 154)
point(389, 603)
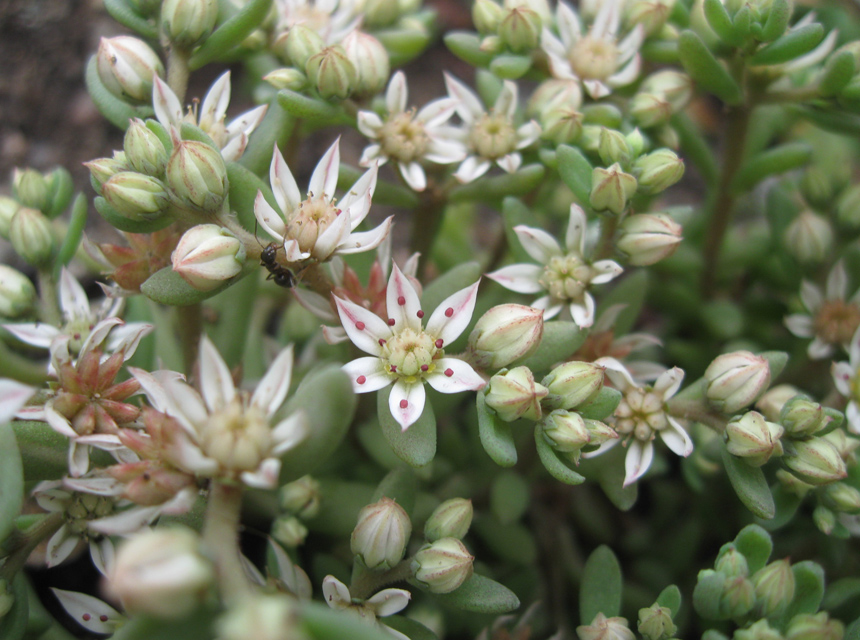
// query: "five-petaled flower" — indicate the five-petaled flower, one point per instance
point(384, 603)
point(846, 377)
point(405, 353)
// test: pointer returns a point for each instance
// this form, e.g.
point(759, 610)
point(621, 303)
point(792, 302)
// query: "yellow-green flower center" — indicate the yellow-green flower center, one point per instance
point(85, 507)
point(493, 136)
point(640, 414)
point(566, 277)
point(403, 138)
point(310, 220)
point(837, 321)
point(410, 355)
point(238, 437)
point(594, 58)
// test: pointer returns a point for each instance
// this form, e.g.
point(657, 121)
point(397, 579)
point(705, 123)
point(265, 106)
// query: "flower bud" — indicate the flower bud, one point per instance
point(31, 236)
point(207, 255)
point(774, 399)
point(31, 188)
point(332, 73)
point(443, 565)
point(737, 598)
point(802, 417)
point(848, 207)
point(370, 60)
point(843, 444)
point(655, 622)
point(736, 379)
point(144, 151)
point(287, 78)
point(126, 66)
point(8, 208)
point(299, 44)
point(651, 14)
point(487, 16)
point(817, 186)
point(17, 293)
point(809, 237)
point(161, 573)
point(451, 519)
point(760, 630)
point(603, 628)
point(505, 333)
point(732, 563)
point(103, 169)
point(573, 383)
point(841, 497)
point(554, 93)
point(197, 175)
point(611, 189)
point(382, 13)
point(301, 497)
point(561, 124)
point(650, 109)
point(818, 626)
point(815, 461)
point(136, 196)
point(381, 535)
point(824, 519)
point(514, 394)
point(520, 29)
point(598, 433)
point(658, 170)
point(774, 588)
point(289, 531)
point(675, 87)
point(648, 238)
point(613, 147)
point(754, 439)
point(565, 431)
point(262, 617)
point(792, 483)
point(187, 23)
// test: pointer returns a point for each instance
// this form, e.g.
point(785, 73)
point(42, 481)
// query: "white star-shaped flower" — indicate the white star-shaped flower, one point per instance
point(846, 376)
point(384, 603)
point(331, 19)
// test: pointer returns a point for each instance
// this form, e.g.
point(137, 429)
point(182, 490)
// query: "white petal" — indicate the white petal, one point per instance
point(802, 326)
point(367, 374)
point(369, 123)
point(837, 282)
point(168, 110)
point(606, 21)
point(371, 155)
point(406, 403)
point(852, 414)
point(73, 298)
point(266, 475)
point(293, 252)
point(583, 312)
point(216, 101)
point(606, 270)
point(818, 349)
point(315, 303)
point(462, 377)
point(810, 295)
point(469, 106)
point(357, 199)
point(283, 183)
point(574, 239)
point(538, 243)
point(187, 406)
point(522, 278)
point(443, 151)
point(596, 89)
point(102, 554)
point(396, 95)
point(569, 27)
point(38, 335)
point(527, 134)
point(365, 240)
point(669, 382)
point(551, 308)
point(677, 438)
point(617, 372)
point(389, 601)
point(89, 612)
point(272, 389)
point(413, 174)
point(60, 546)
point(289, 432)
point(854, 350)
point(125, 522)
point(402, 303)
point(336, 593)
point(79, 459)
point(269, 219)
point(510, 162)
point(606, 446)
point(245, 123)
point(437, 112)
point(324, 177)
point(628, 74)
point(13, 396)
point(471, 169)
point(99, 486)
point(363, 327)
point(638, 460)
point(842, 374)
point(453, 314)
point(336, 233)
point(216, 383)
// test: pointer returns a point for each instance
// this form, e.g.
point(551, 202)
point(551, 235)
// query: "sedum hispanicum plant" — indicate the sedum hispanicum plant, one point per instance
point(560, 340)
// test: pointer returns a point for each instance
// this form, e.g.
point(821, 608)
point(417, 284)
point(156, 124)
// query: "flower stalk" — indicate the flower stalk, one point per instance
point(221, 539)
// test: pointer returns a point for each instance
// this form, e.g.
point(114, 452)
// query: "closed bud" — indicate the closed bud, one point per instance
point(8, 208)
point(603, 628)
point(555, 93)
point(17, 293)
point(126, 66)
point(809, 237)
point(301, 497)
point(332, 73)
point(760, 630)
point(161, 573)
point(103, 169)
point(736, 379)
point(732, 563)
point(504, 334)
point(136, 196)
point(31, 188)
point(792, 483)
point(818, 626)
point(443, 565)
point(651, 14)
point(647, 238)
point(737, 598)
point(817, 187)
point(451, 519)
point(207, 255)
point(147, 8)
point(844, 445)
point(197, 175)
point(802, 417)
point(650, 109)
point(289, 531)
point(382, 13)
point(774, 588)
point(492, 45)
point(565, 431)
point(287, 78)
point(7, 598)
point(613, 147)
point(487, 16)
point(561, 124)
point(848, 207)
point(514, 394)
point(370, 60)
point(753, 438)
point(815, 461)
point(298, 45)
point(573, 383)
point(658, 170)
point(143, 150)
point(824, 519)
point(611, 189)
point(841, 497)
point(598, 433)
point(262, 617)
point(675, 87)
point(187, 23)
point(31, 236)
point(774, 399)
point(381, 535)
point(520, 29)
point(655, 622)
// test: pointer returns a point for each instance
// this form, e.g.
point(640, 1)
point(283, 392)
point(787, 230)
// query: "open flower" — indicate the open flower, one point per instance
point(846, 377)
point(596, 58)
point(641, 416)
point(319, 227)
point(405, 353)
point(565, 276)
point(384, 603)
point(490, 136)
point(831, 319)
point(409, 138)
point(331, 19)
point(231, 138)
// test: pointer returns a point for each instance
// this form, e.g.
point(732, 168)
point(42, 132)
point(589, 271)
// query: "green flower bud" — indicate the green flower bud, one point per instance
point(301, 497)
point(31, 236)
point(381, 535)
point(17, 293)
point(737, 598)
point(848, 207)
point(443, 565)
point(143, 150)
point(287, 78)
point(651, 14)
point(451, 519)
point(736, 379)
point(289, 531)
point(126, 66)
point(561, 124)
point(263, 617)
point(817, 187)
point(299, 44)
point(843, 444)
point(504, 334)
point(760, 630)
point(555, 93)
point(809, 237)
point(818, 626)
point(611, 189)
point(598, 433)
point(824, 519)
point(650, 109)
point(603, 628)
point(658, 170)
point(613, 147)
point(565, 431)
point(370, 60)
point(792, 483)
point(520, 29)
point(802, 417)
point(31, 189)
point(774, 399)
point(187, 23)
point(732, 563)
point(774, 588)
point(197, 175)
point(754, 439)
point(487, 16)
point(207, 255)
point(492, 45)
point(332, 73)
point(647, 238)
point(675, 87)
point(841, 497)
point(381, 13)
point(103, 169)
point(815, 461)
point(8, 208)
point(655, 622)
point(514, 394)
point(573, 383)
point(135, 195)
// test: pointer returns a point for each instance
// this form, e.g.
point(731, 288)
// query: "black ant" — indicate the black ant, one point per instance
point(282, 276)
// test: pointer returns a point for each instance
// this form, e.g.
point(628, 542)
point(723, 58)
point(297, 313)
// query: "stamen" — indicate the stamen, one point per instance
point(391, 322)
point(359, 326)
point(420, 313)
point(449, 372)
point(401, 301)
point(361, 379)
point(394, 368)
point(404, 404)
point(86, 617)
point(103, 618)
point(439, 343)
point(425, 367)
point(381, 342)
point(449, 312)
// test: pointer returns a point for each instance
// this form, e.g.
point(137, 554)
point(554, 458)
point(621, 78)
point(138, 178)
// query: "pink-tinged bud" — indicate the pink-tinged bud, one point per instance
point(143, 150)
point(207, 255)
point(301, 497)
point(732, 563)
point(31, 236)
point(263, 617)
point(760, 630)
point(754, 439)
point(451, 519)
point(186, 23)
point(370, 60)
point(31, 189)
point(289, 531)
point(611, 189)
point(514, 394)
point(161, 573)
point(818, 626)
point(287, 78)
point(381, 535)
point(520, 29)
point(650, 109)
point(505, 334)
point(809, 237)
point(8, 208)
point(443, 565)
point(737, 598)
point(552, 93)
point(126, 66)
point(487, 16)
point(655, 623)
point(815, 461)
point(802, 417)
point(565, 431)
point(573, 383)
point(774, 588)
point(561, 124)
point(298, 45)
point(103, 169)
point(603, 628)
point(17, 293)
point(136, 196)
point(675, 87)
point(774, 399)
point(658, 170)
point(736, 379)
point(197, 176)
point(648, 238)
point(332, 73)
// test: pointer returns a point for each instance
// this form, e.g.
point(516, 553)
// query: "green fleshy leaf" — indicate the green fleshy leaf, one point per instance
point(838, 72)
point(776, 360)
point(509, 497)
point(480, 594)
point(163, 135)
point(510, 66)
point(119, 221)
point(786, 504)
point(560, 341)
point(123, 12)
point(786, 157)
point(721, 22)
point(840, 593)
point(631, 291)
point(323, 623)
point(707, 594)
point(276, 128)
point(791, 45)
point(742, 23)
point(706, 70)
point(400, 485)
point(44, 451)
point(386, 193)
point(231, 33)
point(467, 46)
point(417, 445)
point(852, 632)
point(62, 189)
point(412, 629)
point(244, 186)
point(602, 405)
point(551, 461)
point(670, 598)
point(756, 545)
point(167, 287)
point(512, 542)
point(14, 624)
point(523, 181)
point(403, 45)
point(11, 480)
point(750, 485)
point(808, 589)
point(340, 503)
point(460, 277)
point(197, 626)
point(600, 589)
point(329, 403)
point(313, 110)
point(695, 148)
point(777, 20)
point(495, 434)
point(661, 51)
point(713, 634)
point(832, 120)
point(575, 171)
point(515, 212)
point(604, 114)
point(117, 112)
point(188, 131)
point(74, 232)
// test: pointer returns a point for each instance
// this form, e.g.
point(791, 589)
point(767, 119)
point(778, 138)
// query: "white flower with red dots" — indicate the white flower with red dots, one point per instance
point(405, 353)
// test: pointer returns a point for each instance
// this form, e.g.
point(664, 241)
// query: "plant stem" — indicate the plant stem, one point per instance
point(177, 72)
point(695, 410)
point(21, 369)
point(221, 539)
point(605, 246)
point(27, 540)
point(426, 223)
point(368, 582)
point(49, 301)
point(190, 320)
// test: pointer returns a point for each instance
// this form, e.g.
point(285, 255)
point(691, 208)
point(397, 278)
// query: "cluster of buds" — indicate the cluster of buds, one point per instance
point(515, 25)
point(299, 500)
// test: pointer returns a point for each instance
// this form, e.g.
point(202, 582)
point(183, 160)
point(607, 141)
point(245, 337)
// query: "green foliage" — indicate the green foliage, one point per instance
point(600, 589)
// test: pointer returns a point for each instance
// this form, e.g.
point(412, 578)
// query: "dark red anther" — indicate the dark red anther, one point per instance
point(381, 342)
point(391, 322)
point(401, 301)
point(103, 618)
point(86, 617)
point(394, 368)
point(425, 367)
point(420, 314)
point(404, 404)
point(439, 343)
point(449, 372)
point(361, 379)
point(449, 312)
point(359, 326)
